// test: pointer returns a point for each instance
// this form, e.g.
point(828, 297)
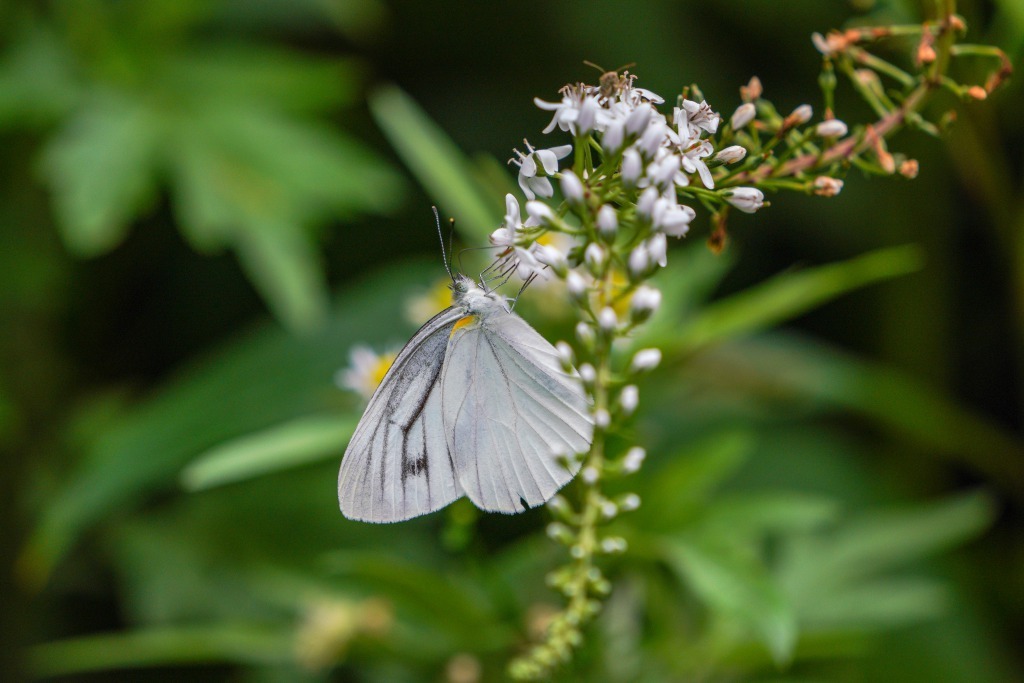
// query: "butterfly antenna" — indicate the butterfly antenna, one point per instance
point(440, 237)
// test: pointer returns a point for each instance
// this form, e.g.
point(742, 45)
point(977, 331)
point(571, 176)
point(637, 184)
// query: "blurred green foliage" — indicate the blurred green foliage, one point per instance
point(837, 500)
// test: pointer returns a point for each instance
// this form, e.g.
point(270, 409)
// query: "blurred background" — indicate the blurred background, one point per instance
point(205, 205)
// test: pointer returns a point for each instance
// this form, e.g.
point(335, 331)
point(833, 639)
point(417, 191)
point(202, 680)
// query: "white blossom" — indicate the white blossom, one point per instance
point(693, 161)
point(552, 257)
point(832, 128)
point(575, 283)
point(632, 167)
point(746, 199)
point(602, 418)
point(607, 320)
point(657, 247)
point(614, 136)
point(607, 221)
point(633, 459)
point(801, 114)
point(595, 257)
point(646, 359)
point(629, 398)
point(572, 188)
point(365, 371)
point(637, 121)
point(824, 186)
point(743, 115)
point(645, 302)
point(639, 261)
point(529, 180)
point(731, 154)
point(694, 117)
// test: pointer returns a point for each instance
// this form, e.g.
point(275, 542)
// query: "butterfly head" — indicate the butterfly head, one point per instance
point(474, 299)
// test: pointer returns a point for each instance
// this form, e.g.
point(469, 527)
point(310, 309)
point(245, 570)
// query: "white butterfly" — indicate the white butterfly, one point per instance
point(476, 404)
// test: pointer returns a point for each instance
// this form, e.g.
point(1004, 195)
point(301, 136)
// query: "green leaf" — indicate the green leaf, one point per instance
point(739, 588)
point(287, 272)
point(437, 163)
point(753, 514)
point(787, 296)
point(37, 84)
point(102, 168)
point(263, 378)
point(785, 366)
point(243, 643)
point(292, 444)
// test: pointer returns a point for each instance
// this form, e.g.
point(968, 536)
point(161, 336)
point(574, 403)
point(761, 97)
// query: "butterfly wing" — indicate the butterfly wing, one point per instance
point(397, 464)
point(510, 411)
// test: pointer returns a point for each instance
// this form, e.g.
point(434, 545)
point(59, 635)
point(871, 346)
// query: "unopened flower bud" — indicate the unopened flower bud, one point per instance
point(576, 284)
point(657, 247)
point(629, 398)
point(585, 333)
point(633, 459)
point(587, 373)
point(559, 532)
point(632, 167)
point(833, 128)
point(731, 154)
point(976, 92)
point(590, 475)
point(565, 355)
point(743, 115)
point(609, 509)
point(607, 320)
point(644, 303)
point(752, 90)
point(607, 221)
point(629, 502)
point(645, 360)
point(602, 418)
point(909, 168)
point(824, 186)
point(645, 204)
point(800, 115)
point(746, 199)
point(587, 116)
point(637, 120)
point(651, 140)
point(639, 262)
point(572, 188)
point(540, 211)
point(614, 135)
point(613, 544)
point(595, 257)
point(552, 257)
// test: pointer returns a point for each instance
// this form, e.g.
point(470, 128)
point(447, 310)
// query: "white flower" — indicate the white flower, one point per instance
point(629, 398)
point(639, 261)
point(607, 221)
point(572, 188)
point(655, 135)
point(645, 302)
point(800, 115)
point(693, 117)
point(825, 186)
point(552, 257)
point(657, 247)
point(595, 257)
point(665, 172)
point(529, 180)
point(629, 502)
point(743, 115)
point(587, 372)
point(646, 359)
point(614, 136)
point(576, 284)
point(746, 199)
point(671, 218)
point(731, 154)
point(632, 167)
point(607, 320)
point(638, 119)
point(693, 161)
point(565, 354)
point(586, 120)
point(832, 128)
point(365, 371)
point(633, 459)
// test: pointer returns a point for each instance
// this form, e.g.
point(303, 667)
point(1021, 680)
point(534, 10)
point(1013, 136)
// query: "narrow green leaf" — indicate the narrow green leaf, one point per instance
point(102, 167)
point(242, 643)
point(789, 295)
point(286, 269)
point(292, 444)
point(437, 163)
point(739, 588)
point(785, 366)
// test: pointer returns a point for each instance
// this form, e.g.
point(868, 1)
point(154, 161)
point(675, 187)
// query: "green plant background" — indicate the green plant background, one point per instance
point(204, 205)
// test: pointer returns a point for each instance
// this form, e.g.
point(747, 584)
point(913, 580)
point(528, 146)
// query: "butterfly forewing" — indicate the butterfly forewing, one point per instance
point(397, 464)
point(511, 414)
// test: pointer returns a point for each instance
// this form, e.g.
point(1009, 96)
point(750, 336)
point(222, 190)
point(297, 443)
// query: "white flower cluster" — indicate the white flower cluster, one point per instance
point(650, 154)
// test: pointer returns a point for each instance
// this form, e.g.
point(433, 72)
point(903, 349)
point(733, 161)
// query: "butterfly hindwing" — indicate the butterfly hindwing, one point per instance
point(398, 464)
